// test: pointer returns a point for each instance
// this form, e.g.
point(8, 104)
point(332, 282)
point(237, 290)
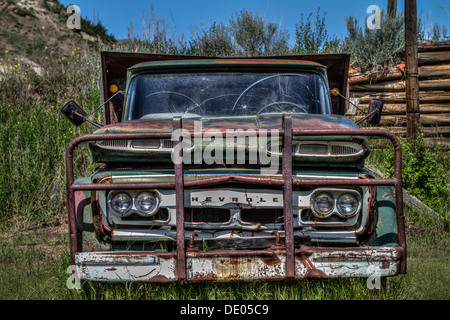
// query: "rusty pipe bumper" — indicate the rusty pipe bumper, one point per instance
point(283, 263)
point(242, 265)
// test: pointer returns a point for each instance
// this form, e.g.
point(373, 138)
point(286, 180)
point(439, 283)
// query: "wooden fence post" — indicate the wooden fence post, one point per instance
point(411, 70)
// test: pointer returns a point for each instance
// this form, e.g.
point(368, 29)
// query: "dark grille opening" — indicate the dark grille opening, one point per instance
point(211, 215)
point(162, 214)
point(262, 215)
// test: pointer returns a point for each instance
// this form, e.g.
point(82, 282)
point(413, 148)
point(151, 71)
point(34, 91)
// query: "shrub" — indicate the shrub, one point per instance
point(425, 171)
point(253, 36)
point(311, 39)
point(214, 41)
point(377, 47)
point(154, 37)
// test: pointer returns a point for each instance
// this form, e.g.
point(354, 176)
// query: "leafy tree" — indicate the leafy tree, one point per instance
point(312, 37)
point(376, 48)
point(154, 37)
point(253, 36)
point(217, 40)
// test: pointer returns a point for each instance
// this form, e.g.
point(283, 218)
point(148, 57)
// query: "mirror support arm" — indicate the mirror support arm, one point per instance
point(368, 116)
point(118, 92)
point(88, 120)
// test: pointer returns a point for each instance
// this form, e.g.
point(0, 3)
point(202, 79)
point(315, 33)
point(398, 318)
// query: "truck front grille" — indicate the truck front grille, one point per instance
point(206, 215)
point(262, 216)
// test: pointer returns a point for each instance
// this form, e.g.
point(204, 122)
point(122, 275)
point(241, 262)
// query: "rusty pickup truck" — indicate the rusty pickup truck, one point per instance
point(230, 169)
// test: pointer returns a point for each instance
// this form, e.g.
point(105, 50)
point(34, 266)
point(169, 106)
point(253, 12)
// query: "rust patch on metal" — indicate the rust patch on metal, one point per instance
point(101, 231)
point(271, 260)
point(312, 271)
point(204, 277)
point(160, 279)
point(315, 274)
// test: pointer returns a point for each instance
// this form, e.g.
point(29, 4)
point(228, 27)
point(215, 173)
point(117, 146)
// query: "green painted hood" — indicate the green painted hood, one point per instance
point(266, 121)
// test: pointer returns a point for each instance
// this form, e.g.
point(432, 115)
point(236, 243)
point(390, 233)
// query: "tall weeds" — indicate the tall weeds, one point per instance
point(34, 137)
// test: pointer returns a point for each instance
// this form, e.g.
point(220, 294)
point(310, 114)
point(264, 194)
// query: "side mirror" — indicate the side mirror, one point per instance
point(375, 110)
point(76, 115)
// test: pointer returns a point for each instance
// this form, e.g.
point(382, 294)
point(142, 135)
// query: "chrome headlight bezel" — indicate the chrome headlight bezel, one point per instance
point(114, 196)
point(335, 194)
point(134, 208)
point(316, 208)
point(155, 206)
point(339, 205)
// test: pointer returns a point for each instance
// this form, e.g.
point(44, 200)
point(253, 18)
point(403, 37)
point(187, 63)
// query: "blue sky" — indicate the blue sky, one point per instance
point(116, 15)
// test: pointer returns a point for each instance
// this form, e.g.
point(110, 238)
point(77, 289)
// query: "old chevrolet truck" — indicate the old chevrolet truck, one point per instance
point(230, 169)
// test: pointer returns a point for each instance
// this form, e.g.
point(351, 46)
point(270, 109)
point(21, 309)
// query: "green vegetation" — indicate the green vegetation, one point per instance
point(378, 47)
point(34, 138)
point(255, 37)
point(425, 171)
point(313, 38)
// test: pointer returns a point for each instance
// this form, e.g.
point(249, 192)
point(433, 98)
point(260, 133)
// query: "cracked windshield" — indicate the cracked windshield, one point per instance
point(233, 94)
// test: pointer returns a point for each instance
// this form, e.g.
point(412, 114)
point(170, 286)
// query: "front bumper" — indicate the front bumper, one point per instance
point(290, 262)
point(248, 265)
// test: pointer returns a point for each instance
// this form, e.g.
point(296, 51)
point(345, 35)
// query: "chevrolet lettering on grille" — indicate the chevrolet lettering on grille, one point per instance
point(222, 197)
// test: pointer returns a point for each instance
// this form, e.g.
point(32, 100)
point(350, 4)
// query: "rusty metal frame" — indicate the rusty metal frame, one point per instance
point(286, 183)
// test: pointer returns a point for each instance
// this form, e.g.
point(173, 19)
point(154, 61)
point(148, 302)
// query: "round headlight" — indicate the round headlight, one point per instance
point(147, 203)
point(121, 203)
point(323, 204)
point(347, 204)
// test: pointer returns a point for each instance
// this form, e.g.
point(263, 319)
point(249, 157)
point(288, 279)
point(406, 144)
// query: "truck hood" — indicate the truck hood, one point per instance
point(266, 121)
point(112, 153)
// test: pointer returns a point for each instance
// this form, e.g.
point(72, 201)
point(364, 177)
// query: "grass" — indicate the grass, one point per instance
point(34, 265)
point(34, 137)
point(34, 257)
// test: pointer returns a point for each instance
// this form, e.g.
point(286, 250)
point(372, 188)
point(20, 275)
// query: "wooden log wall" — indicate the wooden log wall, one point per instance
point(434, 84)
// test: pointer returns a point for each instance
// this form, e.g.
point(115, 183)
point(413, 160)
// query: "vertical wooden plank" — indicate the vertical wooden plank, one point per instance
point(411, 69)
